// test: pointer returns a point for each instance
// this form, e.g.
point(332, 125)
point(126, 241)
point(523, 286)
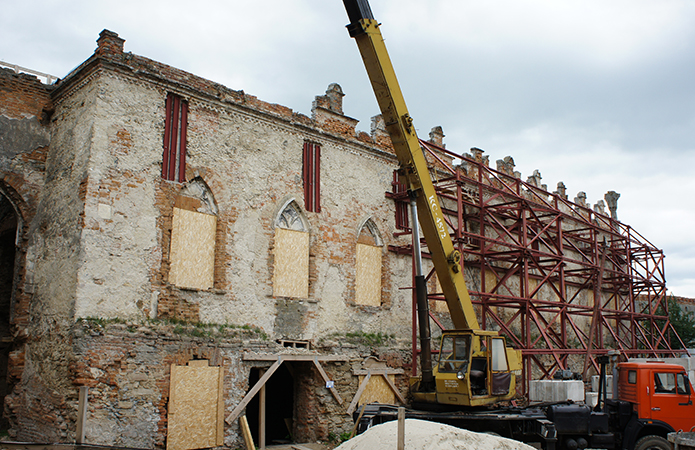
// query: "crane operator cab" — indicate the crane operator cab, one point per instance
point(475, 368)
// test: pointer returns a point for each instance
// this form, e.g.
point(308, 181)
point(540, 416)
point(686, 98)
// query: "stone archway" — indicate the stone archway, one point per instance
point(9, 222)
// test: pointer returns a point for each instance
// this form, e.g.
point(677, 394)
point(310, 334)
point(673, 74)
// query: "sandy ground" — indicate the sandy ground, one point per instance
point(424, 435)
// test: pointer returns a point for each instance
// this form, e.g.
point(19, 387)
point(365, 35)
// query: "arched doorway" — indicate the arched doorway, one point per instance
point(8, 237)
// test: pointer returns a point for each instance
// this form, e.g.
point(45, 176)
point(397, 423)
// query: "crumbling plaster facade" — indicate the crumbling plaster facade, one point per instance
point(82, 165)
point(92, 302)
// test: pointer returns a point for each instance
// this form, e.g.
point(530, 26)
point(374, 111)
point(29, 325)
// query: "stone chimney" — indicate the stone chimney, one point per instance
point(333, 100)
point(109, 44)
point(437, 136)
point(612, 202)
point(327, 112)
point(561, 190)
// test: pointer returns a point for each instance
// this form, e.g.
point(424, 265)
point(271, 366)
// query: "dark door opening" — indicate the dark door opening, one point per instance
point(8, 234)
point(279, 409)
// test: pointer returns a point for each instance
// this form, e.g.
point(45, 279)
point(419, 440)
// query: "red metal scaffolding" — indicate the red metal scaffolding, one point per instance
point(562, 282)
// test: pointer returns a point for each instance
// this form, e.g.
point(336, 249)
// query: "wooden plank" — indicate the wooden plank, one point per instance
point(261, 416)
point(357, 422)
point(377, 371)
point(333, 390)
point(291, 357)
point(194, 413)
point(220, 407)
point(246, 432)
point(401, 428)
point(247, 398)
point(393, 388)
point(358, 394)
point(199, 363)
point(81, 414)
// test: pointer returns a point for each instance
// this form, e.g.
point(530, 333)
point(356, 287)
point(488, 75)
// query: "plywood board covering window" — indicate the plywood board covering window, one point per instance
point(192, 249)
point(291, 267)
point(368, 277)
point(196, 407)
point(377, 390)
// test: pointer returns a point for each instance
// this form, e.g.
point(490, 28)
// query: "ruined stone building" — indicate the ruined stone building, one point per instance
point(166, 239)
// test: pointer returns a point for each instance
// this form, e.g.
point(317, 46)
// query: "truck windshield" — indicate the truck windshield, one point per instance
point(454, 354)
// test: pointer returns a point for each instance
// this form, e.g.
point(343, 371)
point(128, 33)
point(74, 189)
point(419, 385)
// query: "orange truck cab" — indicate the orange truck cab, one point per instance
point(662, 401)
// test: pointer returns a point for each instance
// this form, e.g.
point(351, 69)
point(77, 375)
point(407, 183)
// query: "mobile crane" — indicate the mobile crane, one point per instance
point(475, 366)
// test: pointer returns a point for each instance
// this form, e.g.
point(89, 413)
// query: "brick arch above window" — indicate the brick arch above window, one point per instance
point(368, 233)
point(291, 252)
point(193, 235)
point(368, 264)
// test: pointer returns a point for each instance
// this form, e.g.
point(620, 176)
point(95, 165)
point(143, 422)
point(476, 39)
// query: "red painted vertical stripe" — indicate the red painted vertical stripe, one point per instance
point(182, 142)
point(310, 161)
point(317, 178)
point(167, 136)
point(305, 175)
point(173, 149)
point(311, 174)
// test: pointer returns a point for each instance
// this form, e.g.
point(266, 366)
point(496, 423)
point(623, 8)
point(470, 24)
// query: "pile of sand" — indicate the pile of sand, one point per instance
point(424, 435)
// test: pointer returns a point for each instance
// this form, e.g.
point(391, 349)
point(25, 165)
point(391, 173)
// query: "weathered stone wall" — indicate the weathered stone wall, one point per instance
point(37, 406)
point(97, 228)
point(252, 162)
point(127, 365)
point(98, 246)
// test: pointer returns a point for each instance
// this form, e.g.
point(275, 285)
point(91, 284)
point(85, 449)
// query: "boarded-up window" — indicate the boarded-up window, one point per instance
point(291, 275)
point(196, 407)
point(377, 390)
point(192, 249)
point(193, 236)
point(368, 278)
point(401, 203)
point(368, 266)
point(438, 306)
point(291, 254)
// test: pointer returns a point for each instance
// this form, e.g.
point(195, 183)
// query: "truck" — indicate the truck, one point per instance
point(653, 400)
point(476, 371)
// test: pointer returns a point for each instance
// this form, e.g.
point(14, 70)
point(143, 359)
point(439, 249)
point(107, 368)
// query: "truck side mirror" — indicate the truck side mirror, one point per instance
point(686, 389)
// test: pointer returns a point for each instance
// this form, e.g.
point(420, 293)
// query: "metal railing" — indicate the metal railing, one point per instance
point(44, 77)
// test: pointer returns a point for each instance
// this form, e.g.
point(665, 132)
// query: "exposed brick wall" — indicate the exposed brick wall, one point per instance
point(25, 110)
point(23, 96)
point(108, 217)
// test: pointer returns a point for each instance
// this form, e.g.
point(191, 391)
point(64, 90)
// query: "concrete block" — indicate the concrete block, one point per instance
point(609, 384)
point(591, 398)
point(556, 390)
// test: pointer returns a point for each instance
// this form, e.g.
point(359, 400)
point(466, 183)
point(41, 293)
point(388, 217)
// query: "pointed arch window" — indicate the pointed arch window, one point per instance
point(291, 253)
point(193, 234)
point(368, 278)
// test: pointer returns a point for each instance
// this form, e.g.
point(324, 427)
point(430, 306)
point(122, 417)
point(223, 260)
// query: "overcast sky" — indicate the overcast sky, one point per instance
point(598, 94)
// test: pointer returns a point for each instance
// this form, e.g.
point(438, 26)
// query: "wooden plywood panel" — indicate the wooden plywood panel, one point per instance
point(378, 390)
point(192, 249)
point(490, 283)
point(195, 418)
point(368, 277)
point(291, 267)
point(438, 306)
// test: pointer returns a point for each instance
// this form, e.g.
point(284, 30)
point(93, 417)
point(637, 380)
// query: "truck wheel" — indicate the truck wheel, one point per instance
point(652, 443)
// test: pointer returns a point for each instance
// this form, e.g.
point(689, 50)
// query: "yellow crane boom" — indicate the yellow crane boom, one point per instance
point(399, 124)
